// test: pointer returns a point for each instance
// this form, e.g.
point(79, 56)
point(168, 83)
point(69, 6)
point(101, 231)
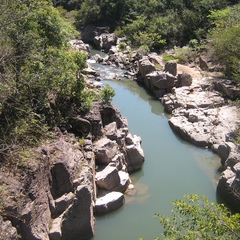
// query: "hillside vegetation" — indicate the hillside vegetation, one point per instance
point(41, 84)
point(157, 25)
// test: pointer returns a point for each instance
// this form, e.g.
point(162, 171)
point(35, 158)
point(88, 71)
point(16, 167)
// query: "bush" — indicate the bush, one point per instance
point(197, 218)
point(224, 40)
point(107, 94)
point(122, 46)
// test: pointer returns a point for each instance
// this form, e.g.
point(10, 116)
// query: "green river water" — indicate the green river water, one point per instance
point(172, 167)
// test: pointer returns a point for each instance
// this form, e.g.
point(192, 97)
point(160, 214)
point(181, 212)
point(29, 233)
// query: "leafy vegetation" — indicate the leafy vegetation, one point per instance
point(107, 94)
point(40, 76)
point(224, 40)
point(197, 218)
point(156, 25)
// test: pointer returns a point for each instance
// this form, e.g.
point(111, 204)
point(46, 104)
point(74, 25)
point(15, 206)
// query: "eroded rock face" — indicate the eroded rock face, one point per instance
point(61, 186)
point(227, 88)
point(229, 185)
point(77, 221)
point(7, 231)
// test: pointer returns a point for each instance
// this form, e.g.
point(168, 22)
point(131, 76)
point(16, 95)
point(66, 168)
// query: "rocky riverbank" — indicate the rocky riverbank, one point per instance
point(202, 108)
point(70, 179)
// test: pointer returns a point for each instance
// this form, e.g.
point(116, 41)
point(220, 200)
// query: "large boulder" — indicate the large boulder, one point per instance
point(171, 67)
point(108, 178)
point(104, 150)
point(109, 114)
point(88, 34)
point(94, 117)
point(184, 79)
point(145, 66)
point(109, 202)
point(80, 125)
point(112, 179)
point(105, 41)
point(159, 80)
point(134, 153)
point(80, 46)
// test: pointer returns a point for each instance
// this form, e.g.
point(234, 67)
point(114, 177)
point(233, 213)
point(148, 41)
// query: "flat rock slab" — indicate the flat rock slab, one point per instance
point(109, 202)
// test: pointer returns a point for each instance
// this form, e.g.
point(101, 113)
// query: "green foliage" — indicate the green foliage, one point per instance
point(40, 76)
point(107, 94)
point(182, 55)
point(224, 40)
point(167, 58)
point(122, 46)
point(197, 218)
point(193, 43)
point(156, 22)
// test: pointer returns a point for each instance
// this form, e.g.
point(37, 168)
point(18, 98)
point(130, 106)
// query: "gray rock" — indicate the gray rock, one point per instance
point(227, 88)
point(62, 203)
point(109, 202)
point(7, 231)
point(55, 232)
point(111, 131)
point(184, 79)
point(104, 150)
point(88, 34)
point(94, 117)
point(80, 125)
point(145, 66)
point(159, 80)
point(223, 150)
point(229, 187)
point(79, 45)
point(77, 221)
point(134, 155)
point(108, 178)
point(171, 67)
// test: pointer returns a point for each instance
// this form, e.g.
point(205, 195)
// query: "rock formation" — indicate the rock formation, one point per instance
point(199, 107)
point(68, 179)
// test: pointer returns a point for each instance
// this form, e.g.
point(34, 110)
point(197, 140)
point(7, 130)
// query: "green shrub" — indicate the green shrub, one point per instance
point(167, 58)
point(107, 94)
point(122, 46)
point(197, 218)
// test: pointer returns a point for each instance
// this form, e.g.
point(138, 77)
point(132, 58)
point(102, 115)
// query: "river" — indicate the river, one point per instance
point(172, 166)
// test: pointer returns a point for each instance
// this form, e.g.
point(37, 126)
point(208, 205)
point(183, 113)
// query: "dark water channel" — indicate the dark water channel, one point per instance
point(172, 166)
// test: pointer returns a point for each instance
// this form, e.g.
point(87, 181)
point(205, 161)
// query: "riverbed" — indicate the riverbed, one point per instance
point(172, 166)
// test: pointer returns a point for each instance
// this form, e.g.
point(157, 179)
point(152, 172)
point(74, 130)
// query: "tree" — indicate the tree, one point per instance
point(224, 40)
point(197, 218)
point(40, 79)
